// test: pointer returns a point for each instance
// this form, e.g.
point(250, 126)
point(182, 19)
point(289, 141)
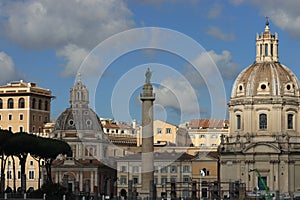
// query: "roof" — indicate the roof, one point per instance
point(160, 156)
point(208, 123)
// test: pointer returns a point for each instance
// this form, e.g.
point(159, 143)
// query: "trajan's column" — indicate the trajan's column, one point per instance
point(147, 97)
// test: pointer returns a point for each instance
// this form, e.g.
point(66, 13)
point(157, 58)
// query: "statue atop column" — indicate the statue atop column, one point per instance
point(148, 76)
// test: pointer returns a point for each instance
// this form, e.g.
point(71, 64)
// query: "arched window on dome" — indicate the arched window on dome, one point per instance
point(238, 122)
point(263, 122)
point(290, 121)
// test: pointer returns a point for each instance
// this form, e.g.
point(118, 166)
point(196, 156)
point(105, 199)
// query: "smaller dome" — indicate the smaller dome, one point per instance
point(78, 119)
point(265, 79)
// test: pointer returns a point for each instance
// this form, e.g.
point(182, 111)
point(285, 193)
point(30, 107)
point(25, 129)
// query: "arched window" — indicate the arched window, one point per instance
point(1, 104)
point(21, 103)
point(266, 49)
point(40, 105)
point(290, 121)
point(263, 122)
point(10, 103)
point(33, 103)
point(46, 105)
point(238, 122)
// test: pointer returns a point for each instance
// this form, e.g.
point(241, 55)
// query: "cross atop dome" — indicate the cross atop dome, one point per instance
point(267, 45)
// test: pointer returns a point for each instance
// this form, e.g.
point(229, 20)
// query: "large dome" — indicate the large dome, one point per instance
point(265, 79)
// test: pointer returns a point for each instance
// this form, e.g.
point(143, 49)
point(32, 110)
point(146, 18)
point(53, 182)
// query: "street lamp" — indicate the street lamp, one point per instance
point(202, 173)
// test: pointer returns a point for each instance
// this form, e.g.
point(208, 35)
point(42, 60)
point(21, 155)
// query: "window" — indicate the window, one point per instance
point(173, 179)
point(9, 175)
point(186, 179)
point(262, 121)
point(186, 169)
point(135, 169)
point(164, 180)
point(290, 121)
point(192, 136)
point(260, 184)
point(202, 145)
point(21, 129)
point(10, 128)
point(10, 103)
point(135, 180)
point(10, 117)
point(21, 116)
point(164, 169)
point(40, 105)
point(46, 105)
point(21, 103)
point(173, 169)
point(123, 180)
point(33, 103)
point(266, 49)
point(31, 174)
point(0, 117)
point(213, 145)
point(123, 168)
point(238, 122)
point(168, 131)
point(271, 49)
point(158, 131)
point(1, 104)
point(31, 162)
point(19, 175)
point(202, 136)
point(213, 136)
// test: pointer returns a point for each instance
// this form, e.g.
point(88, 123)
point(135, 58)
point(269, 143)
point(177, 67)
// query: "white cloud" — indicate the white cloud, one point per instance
point(284, 14)
point(218, 33)
point(55, 23)
point(7, 68)
point(207, 61)
point(177, 94)
point(71, 27)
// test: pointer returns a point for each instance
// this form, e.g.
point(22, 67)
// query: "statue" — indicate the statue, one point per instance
point(148, 76)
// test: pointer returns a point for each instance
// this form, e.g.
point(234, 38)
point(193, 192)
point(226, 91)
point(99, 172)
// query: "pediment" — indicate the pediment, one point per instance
point(261, 148)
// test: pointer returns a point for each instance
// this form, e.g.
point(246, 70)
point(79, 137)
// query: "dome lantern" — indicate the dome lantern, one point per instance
point(267, 46)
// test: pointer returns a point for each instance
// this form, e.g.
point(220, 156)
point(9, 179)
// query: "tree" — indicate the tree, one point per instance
point(48, 149)
point(5, 135)
point(20, 145)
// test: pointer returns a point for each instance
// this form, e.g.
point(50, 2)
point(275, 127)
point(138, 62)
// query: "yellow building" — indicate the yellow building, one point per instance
point(24, 107)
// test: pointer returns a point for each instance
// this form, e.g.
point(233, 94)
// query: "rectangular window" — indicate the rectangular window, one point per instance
point(261, 184)
point(0, 117)
point(164, 169)
point(135, 169)
point(202, 136)
point(21, 129)
point(238, 122)
point(158, 131)
point(164, 180)
point(213, 136)
point(202, 145)
point(262, 121)
point(168, 131)
point(19, 175)
point(192, 136)
point(10, 117)
point(123, 168)
point(21, 116)
point(123, 180)
point(9, 175)
point(31, 175)
point(186, 168)
point(135, 180)
point(186, 179)
point(290, 121)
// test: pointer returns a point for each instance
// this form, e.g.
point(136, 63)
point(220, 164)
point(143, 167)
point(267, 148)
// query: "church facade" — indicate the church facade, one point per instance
point(264, 130)
point(89, 170)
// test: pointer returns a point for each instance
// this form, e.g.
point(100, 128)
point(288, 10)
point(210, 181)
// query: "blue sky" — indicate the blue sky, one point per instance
point(50, 41)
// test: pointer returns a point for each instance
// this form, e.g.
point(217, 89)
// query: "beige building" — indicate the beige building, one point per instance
point(264, 111)
point(205, 133)
point(24, 107)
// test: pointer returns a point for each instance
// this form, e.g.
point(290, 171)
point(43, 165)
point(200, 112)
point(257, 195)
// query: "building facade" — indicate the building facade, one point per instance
point(88, 171)
point(24, 107)
point(264, 123)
